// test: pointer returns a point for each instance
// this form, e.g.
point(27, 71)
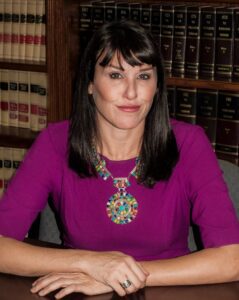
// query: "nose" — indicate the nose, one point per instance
point(130, 89)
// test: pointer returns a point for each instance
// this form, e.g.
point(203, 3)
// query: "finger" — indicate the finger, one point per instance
point(45, 288)
point(67, 291)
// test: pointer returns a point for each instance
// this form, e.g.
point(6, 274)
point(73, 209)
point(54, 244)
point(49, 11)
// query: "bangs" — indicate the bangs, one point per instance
point(130, 46)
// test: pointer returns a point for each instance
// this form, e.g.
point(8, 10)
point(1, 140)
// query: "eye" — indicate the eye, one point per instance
point(115, 75)
point(144, 76)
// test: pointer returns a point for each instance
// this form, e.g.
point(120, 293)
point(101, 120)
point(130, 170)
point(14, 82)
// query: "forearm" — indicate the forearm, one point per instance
point(23, 259)
point(207, 266)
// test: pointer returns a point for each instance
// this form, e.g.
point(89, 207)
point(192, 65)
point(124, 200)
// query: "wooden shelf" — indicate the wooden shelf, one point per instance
point(16, 137)
point(205, 84)
point(23, 65)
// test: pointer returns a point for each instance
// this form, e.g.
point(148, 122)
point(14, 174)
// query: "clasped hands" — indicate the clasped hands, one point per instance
point(100, 272)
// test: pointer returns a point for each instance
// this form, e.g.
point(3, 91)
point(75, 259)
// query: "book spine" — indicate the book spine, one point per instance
point(179, 40)
point(156, 20)
point(228, 124)
point(236, 47)
point(207, 103)
point(22, 29)
point(38, 28)
point(98, 12)
point(17, 157)
point(42, 107)
point(15, 29)
point(135, 12)
point(186, 105)
point(13, 98)
point(145, 16)
point(122, 11)
point(43, 36)
point(110, 14)
point(1, 173)
point(171, 97)
point(7, 166)
point(30, 30)
point(4, 97)
point(207, 43)
point(166, 36)
point(23, 100)
point(34, 100)
point(85, 24)
point(7, 36)
point(224, 44)
point(1, 27)
point(85, 17)
point(192, 42)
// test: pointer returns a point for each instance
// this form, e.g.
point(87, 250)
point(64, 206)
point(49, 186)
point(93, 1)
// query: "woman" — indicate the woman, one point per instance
point(125, 181)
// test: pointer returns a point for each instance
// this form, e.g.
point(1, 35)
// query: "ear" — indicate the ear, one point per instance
point(90, 88)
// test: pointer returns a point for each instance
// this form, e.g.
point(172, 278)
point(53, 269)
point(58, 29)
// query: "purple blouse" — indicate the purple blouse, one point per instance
point(195, 192)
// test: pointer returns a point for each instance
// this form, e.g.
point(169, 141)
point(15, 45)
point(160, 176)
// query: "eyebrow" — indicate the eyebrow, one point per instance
point(120, 68)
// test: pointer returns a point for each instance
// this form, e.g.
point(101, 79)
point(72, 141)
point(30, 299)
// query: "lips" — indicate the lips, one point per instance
point(127, 108)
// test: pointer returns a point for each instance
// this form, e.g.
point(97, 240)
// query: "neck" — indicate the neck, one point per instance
point(120, 144)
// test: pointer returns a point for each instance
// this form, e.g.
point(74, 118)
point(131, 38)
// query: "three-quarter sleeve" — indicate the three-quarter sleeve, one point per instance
point(212, 208)
point(28, 190)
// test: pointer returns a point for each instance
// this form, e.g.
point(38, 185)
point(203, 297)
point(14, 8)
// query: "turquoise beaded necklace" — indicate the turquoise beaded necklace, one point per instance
point(121, 207)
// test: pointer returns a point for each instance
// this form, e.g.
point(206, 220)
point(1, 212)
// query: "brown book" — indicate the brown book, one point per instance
point(171, 97)
point(207, 42)
point(110, 14)
point(179, 40)
point(166, 36)
point(192, 42)
point(235, 74)
point(207, 103)
point(98, 14)
point(224, 43)
point(228, 124)
point(186, 104)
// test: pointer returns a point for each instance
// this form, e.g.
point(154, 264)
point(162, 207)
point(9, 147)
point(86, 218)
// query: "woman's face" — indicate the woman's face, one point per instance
point(123, 94)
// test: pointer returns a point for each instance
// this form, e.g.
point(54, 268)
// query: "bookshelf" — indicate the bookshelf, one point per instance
point(58, 102)
point(63, 48)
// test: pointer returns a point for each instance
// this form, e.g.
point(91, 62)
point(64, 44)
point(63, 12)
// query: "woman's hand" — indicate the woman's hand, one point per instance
point(115, 268)
point(68, 283)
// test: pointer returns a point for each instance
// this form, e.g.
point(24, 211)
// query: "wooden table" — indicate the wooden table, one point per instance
point(18, 288)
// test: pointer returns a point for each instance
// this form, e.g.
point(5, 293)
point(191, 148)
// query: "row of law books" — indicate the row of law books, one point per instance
point(10, 159)
point(23, 30)
point(196, 41)
point(217, 111)
point(23, 99)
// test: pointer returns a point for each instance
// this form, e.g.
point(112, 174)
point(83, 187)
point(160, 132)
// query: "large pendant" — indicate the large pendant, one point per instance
point(122, 208)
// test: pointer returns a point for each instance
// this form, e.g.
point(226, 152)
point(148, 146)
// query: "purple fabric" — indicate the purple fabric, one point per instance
point(196, 191)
